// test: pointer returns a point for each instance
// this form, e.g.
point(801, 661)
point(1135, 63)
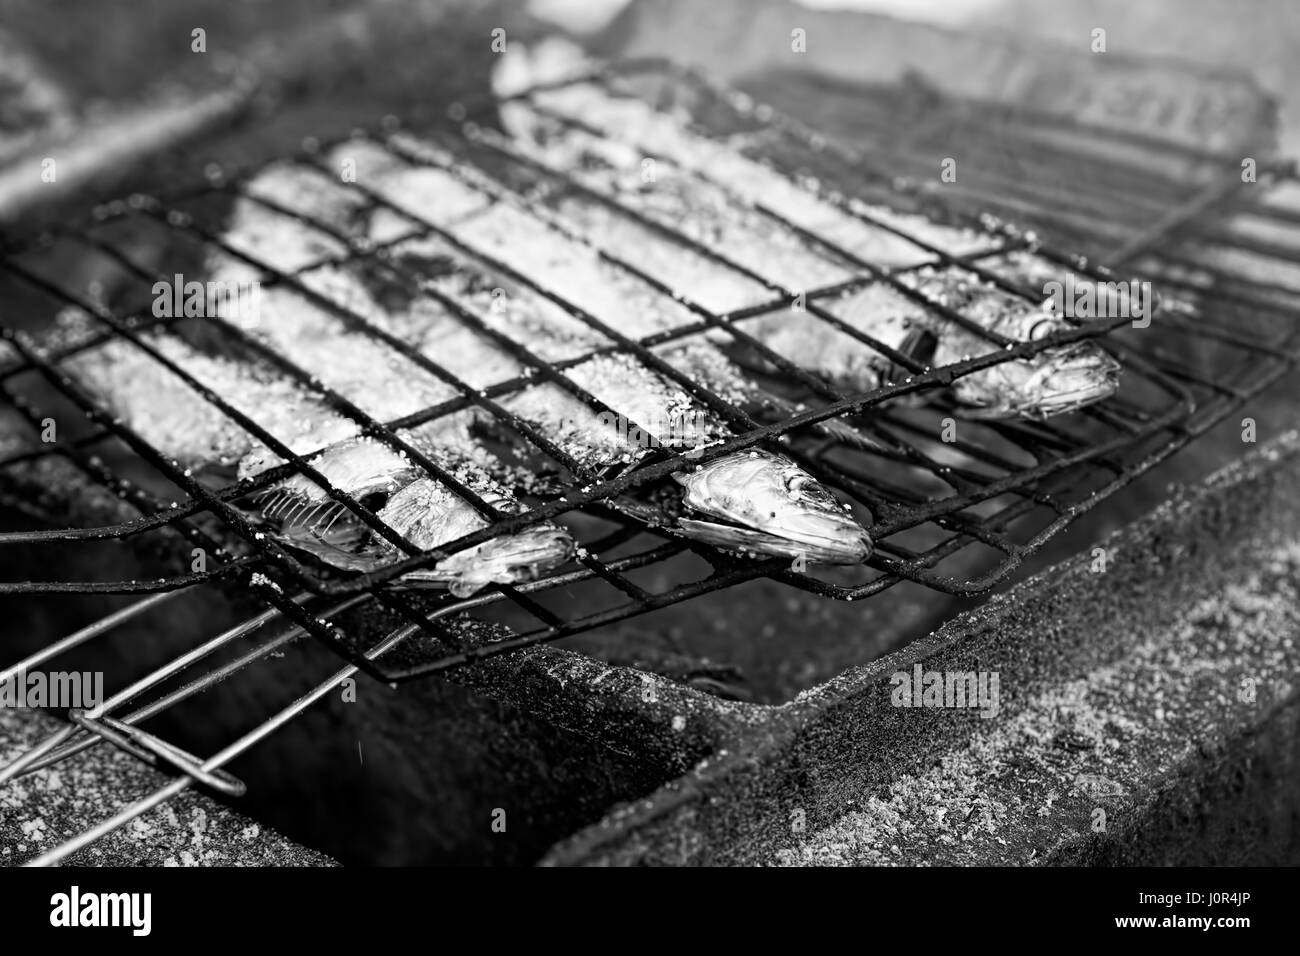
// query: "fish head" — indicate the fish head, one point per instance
point(1068, 382)
point(1051, 383)
point(523, 556)
point(428, 515)
point(421, 510)
point(302, 514)
point(361, 468)
point(771, 506)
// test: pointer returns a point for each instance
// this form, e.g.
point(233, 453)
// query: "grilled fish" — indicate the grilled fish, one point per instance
point(771, 507)
point(1051, 382)
point(176, 419)
point(561, 264)
point(633, 392)
point(791, 499)
point(868, 232)
point(182, 424)
point(1056, 381)
point(1080, 296)
point(422, 510)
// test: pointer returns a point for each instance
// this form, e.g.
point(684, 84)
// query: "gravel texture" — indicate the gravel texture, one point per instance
point(39, 811)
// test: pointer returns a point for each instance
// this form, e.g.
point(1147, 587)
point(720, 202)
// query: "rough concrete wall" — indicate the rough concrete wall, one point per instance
point(1160, 692)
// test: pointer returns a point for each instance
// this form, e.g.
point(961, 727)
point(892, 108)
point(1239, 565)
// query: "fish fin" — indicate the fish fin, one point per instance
point(919, 345)
point(841, 431)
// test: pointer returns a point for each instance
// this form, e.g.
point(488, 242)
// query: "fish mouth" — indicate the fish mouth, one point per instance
point(760, 503)
point(1083, 380)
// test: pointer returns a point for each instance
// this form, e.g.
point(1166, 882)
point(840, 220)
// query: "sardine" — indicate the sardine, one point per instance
point(183, 425)
point(865, 231)
point(771, 506)
point(1057, 381)
point(353, 364)
point(619, 381)
point(175, 419)
point(532, 245)
point(1052, 382)
point(635, 392)
point(1081, 296)
point(421, 509)
point(693, 208)
point(651, 411)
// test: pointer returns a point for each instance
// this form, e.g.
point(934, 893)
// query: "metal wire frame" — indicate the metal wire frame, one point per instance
point(785, 367)
point(659, 365)
point(1125, 189)
point(820, 387)
point(1200, 189)
point(90, 729)
point(732, 414)
point(982, 533)
point(1194, 205)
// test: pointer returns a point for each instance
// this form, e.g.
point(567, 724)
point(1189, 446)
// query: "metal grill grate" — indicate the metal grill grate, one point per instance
point(1015, 484)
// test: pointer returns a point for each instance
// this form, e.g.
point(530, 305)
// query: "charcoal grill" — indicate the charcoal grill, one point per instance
point(1022, 482)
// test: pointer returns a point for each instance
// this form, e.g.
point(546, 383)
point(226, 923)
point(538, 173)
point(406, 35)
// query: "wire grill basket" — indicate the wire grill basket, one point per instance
point(955, 519)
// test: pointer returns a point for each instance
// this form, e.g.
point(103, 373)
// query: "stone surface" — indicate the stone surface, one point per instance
point(1161, 692)
point(41, 810)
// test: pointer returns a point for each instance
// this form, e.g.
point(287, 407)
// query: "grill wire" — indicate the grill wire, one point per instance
point(1006, 507)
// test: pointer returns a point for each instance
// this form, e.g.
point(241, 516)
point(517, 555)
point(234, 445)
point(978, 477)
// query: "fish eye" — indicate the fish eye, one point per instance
point(374, 501)
point(795, 483)
point(1042, 329)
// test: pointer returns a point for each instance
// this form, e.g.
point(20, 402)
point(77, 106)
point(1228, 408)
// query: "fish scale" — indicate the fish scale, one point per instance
point(361, 369)
point(673, 198)
point(574, 270)
point(176, 419)
point(639, 125)
point(620, 381)
point(779, 521)
point(1053, 382)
